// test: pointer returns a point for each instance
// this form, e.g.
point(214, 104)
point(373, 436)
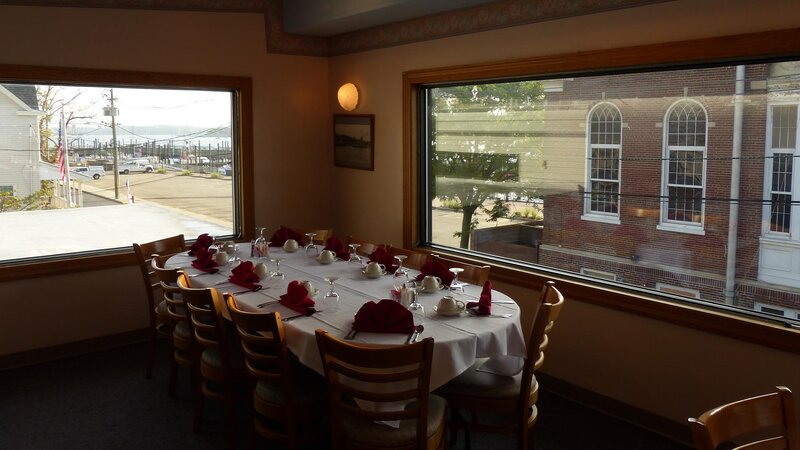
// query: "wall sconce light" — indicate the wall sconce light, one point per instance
point(348, 96)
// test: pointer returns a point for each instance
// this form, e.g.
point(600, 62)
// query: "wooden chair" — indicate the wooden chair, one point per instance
point(184, 348)
point(287, 391)
point(221, 362)
point(160, 324)
point(322, 235)
point(382, 375)
point(414, 259)
point(472, 274)
point(365, 248)
point(505, 397)
point(766, 422)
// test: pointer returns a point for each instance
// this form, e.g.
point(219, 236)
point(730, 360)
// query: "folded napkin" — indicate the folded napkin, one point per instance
point(296, 298)
point(386, 316)
point(283, 234)
point(436, 268)
point(205, 260)
point(244, 276)
point(484, 304)
point(336, 246)
point(383, 256)
point(203, 241)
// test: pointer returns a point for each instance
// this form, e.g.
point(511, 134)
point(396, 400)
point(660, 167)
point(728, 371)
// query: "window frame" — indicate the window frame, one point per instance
point(241, 134)
point(720, 320)
point(793, 235)
point(588, 213)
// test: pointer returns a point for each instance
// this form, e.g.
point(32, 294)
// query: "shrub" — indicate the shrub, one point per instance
point(451, 204)
point(215, 175)
point(186, 173)
point(161, 170)
point(528, 213)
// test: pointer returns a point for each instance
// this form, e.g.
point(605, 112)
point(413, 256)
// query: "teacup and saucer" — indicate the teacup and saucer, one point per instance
point(290, 246)
point(374, 270)
point(326, 257)
point(448, 306)
point(431, 284)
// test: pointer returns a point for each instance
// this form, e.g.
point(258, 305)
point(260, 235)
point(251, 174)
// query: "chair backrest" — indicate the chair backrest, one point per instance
point(144, 252)
point(414, 259)
point(365, 248)
point(472, 274)
point(263, 340)
point(378, 374)
point(205, 306)
point(168, 279)
point(768, 421)
point(548, 309)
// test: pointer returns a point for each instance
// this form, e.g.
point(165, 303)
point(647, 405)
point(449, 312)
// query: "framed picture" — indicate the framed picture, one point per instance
point(353, 141)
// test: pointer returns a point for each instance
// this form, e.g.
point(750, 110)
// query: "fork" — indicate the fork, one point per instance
point(352, 334)
point(247, 290)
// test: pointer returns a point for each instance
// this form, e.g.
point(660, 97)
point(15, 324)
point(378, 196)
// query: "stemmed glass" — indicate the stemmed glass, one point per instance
point(455, 285)
point(401, 274)
point(330, 303)
point(278, 273)
point(311, 243)
point(353, 255)
point(415, 307)
point(261, 245)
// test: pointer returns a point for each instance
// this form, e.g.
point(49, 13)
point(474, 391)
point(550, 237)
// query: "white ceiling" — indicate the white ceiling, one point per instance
point(329, 18)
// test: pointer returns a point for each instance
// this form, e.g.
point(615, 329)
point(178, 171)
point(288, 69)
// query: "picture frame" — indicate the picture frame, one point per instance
point(354, 141)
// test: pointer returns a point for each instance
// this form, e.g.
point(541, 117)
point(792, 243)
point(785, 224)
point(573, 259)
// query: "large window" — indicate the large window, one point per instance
point(656, 216)
point(96, 167)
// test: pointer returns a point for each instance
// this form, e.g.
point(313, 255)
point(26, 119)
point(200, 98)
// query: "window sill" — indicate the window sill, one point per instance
point(613, 220)
point(65, 265)
point(687, 229)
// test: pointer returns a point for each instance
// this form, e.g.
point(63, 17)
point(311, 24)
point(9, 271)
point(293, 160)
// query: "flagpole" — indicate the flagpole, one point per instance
point(66, 160)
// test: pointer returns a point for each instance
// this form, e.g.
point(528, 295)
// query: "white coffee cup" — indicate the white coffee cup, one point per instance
point(431, 283)
point(327, 256)
point(450, 305)
point(261, 270)
point(309, 287)
point(221, 258)
point(375, 268)
point(290, 245)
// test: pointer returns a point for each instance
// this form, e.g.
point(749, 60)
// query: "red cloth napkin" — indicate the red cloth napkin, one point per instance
point(205, 260)
point(283, 234)
point(244, 276)
point(383, 256)
point(484, 304)
point(386, 316)
point(203, 241)
point(296, 298)
point(436, 268)
point(336, 246)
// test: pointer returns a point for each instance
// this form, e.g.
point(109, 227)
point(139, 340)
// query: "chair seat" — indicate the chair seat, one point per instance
point(366, 431)
point(182, 331)
point(309, 388)
point(211, 357)
point(474, 383)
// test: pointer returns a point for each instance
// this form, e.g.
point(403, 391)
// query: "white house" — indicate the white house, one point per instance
point(19, 139)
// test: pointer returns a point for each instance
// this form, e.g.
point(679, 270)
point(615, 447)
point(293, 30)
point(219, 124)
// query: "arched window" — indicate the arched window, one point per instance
point(603, 160)
point(685, 164)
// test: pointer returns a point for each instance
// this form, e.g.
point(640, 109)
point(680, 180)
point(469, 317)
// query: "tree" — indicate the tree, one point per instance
point(51, 101)
point(478, 137)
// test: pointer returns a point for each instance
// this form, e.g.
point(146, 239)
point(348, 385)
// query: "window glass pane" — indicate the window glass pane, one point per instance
point(545, 177)
point(173, 151)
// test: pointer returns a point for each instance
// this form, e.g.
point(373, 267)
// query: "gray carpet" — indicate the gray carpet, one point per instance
point(103, 401)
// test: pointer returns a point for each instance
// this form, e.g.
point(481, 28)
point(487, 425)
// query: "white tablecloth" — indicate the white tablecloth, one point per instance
point(458, 341)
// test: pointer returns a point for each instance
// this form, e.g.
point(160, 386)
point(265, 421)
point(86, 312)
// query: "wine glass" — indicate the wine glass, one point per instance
point(231, 248)
point(401, 274)
point(455, 285)
point(353, 255)
point(278, 273)
point(260, 245)
point(330, 303)
point(415, 307)
point(311, 243)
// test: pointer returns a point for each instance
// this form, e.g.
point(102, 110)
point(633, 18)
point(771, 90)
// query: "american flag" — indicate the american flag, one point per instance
point(62, 169)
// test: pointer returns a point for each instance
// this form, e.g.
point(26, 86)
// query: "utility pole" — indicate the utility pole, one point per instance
point(112, 111)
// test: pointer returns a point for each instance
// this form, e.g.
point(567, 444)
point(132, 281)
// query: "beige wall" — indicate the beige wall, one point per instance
point(292, 130)
point(666, 369)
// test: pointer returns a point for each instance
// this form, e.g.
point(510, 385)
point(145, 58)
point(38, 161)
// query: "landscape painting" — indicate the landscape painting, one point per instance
point(353, 137)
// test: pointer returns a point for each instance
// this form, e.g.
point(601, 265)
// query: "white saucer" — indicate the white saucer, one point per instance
point(448, 313)
point(373, 275)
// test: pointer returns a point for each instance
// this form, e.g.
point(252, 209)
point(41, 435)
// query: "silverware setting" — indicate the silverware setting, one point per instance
point(286, 319)
point(504, 316)
point(415, 335)
point(352, 334)
point(261, 305)
point(247, 290)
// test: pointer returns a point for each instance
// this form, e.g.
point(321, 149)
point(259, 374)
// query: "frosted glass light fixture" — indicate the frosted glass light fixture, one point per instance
point(348, 96)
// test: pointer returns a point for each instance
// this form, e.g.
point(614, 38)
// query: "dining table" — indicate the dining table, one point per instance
point(459, 339)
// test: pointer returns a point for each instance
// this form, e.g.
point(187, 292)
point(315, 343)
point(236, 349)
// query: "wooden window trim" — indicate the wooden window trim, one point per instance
point(727, 49)
point(242, 133)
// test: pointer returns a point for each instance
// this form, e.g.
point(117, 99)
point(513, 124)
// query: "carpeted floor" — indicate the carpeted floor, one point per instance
point(103, 401)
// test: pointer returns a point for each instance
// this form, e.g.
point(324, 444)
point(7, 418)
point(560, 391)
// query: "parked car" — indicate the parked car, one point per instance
point(91, 171)
point(132, 167)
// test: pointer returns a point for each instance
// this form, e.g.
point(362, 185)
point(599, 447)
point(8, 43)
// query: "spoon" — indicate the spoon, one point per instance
point(413, 337)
